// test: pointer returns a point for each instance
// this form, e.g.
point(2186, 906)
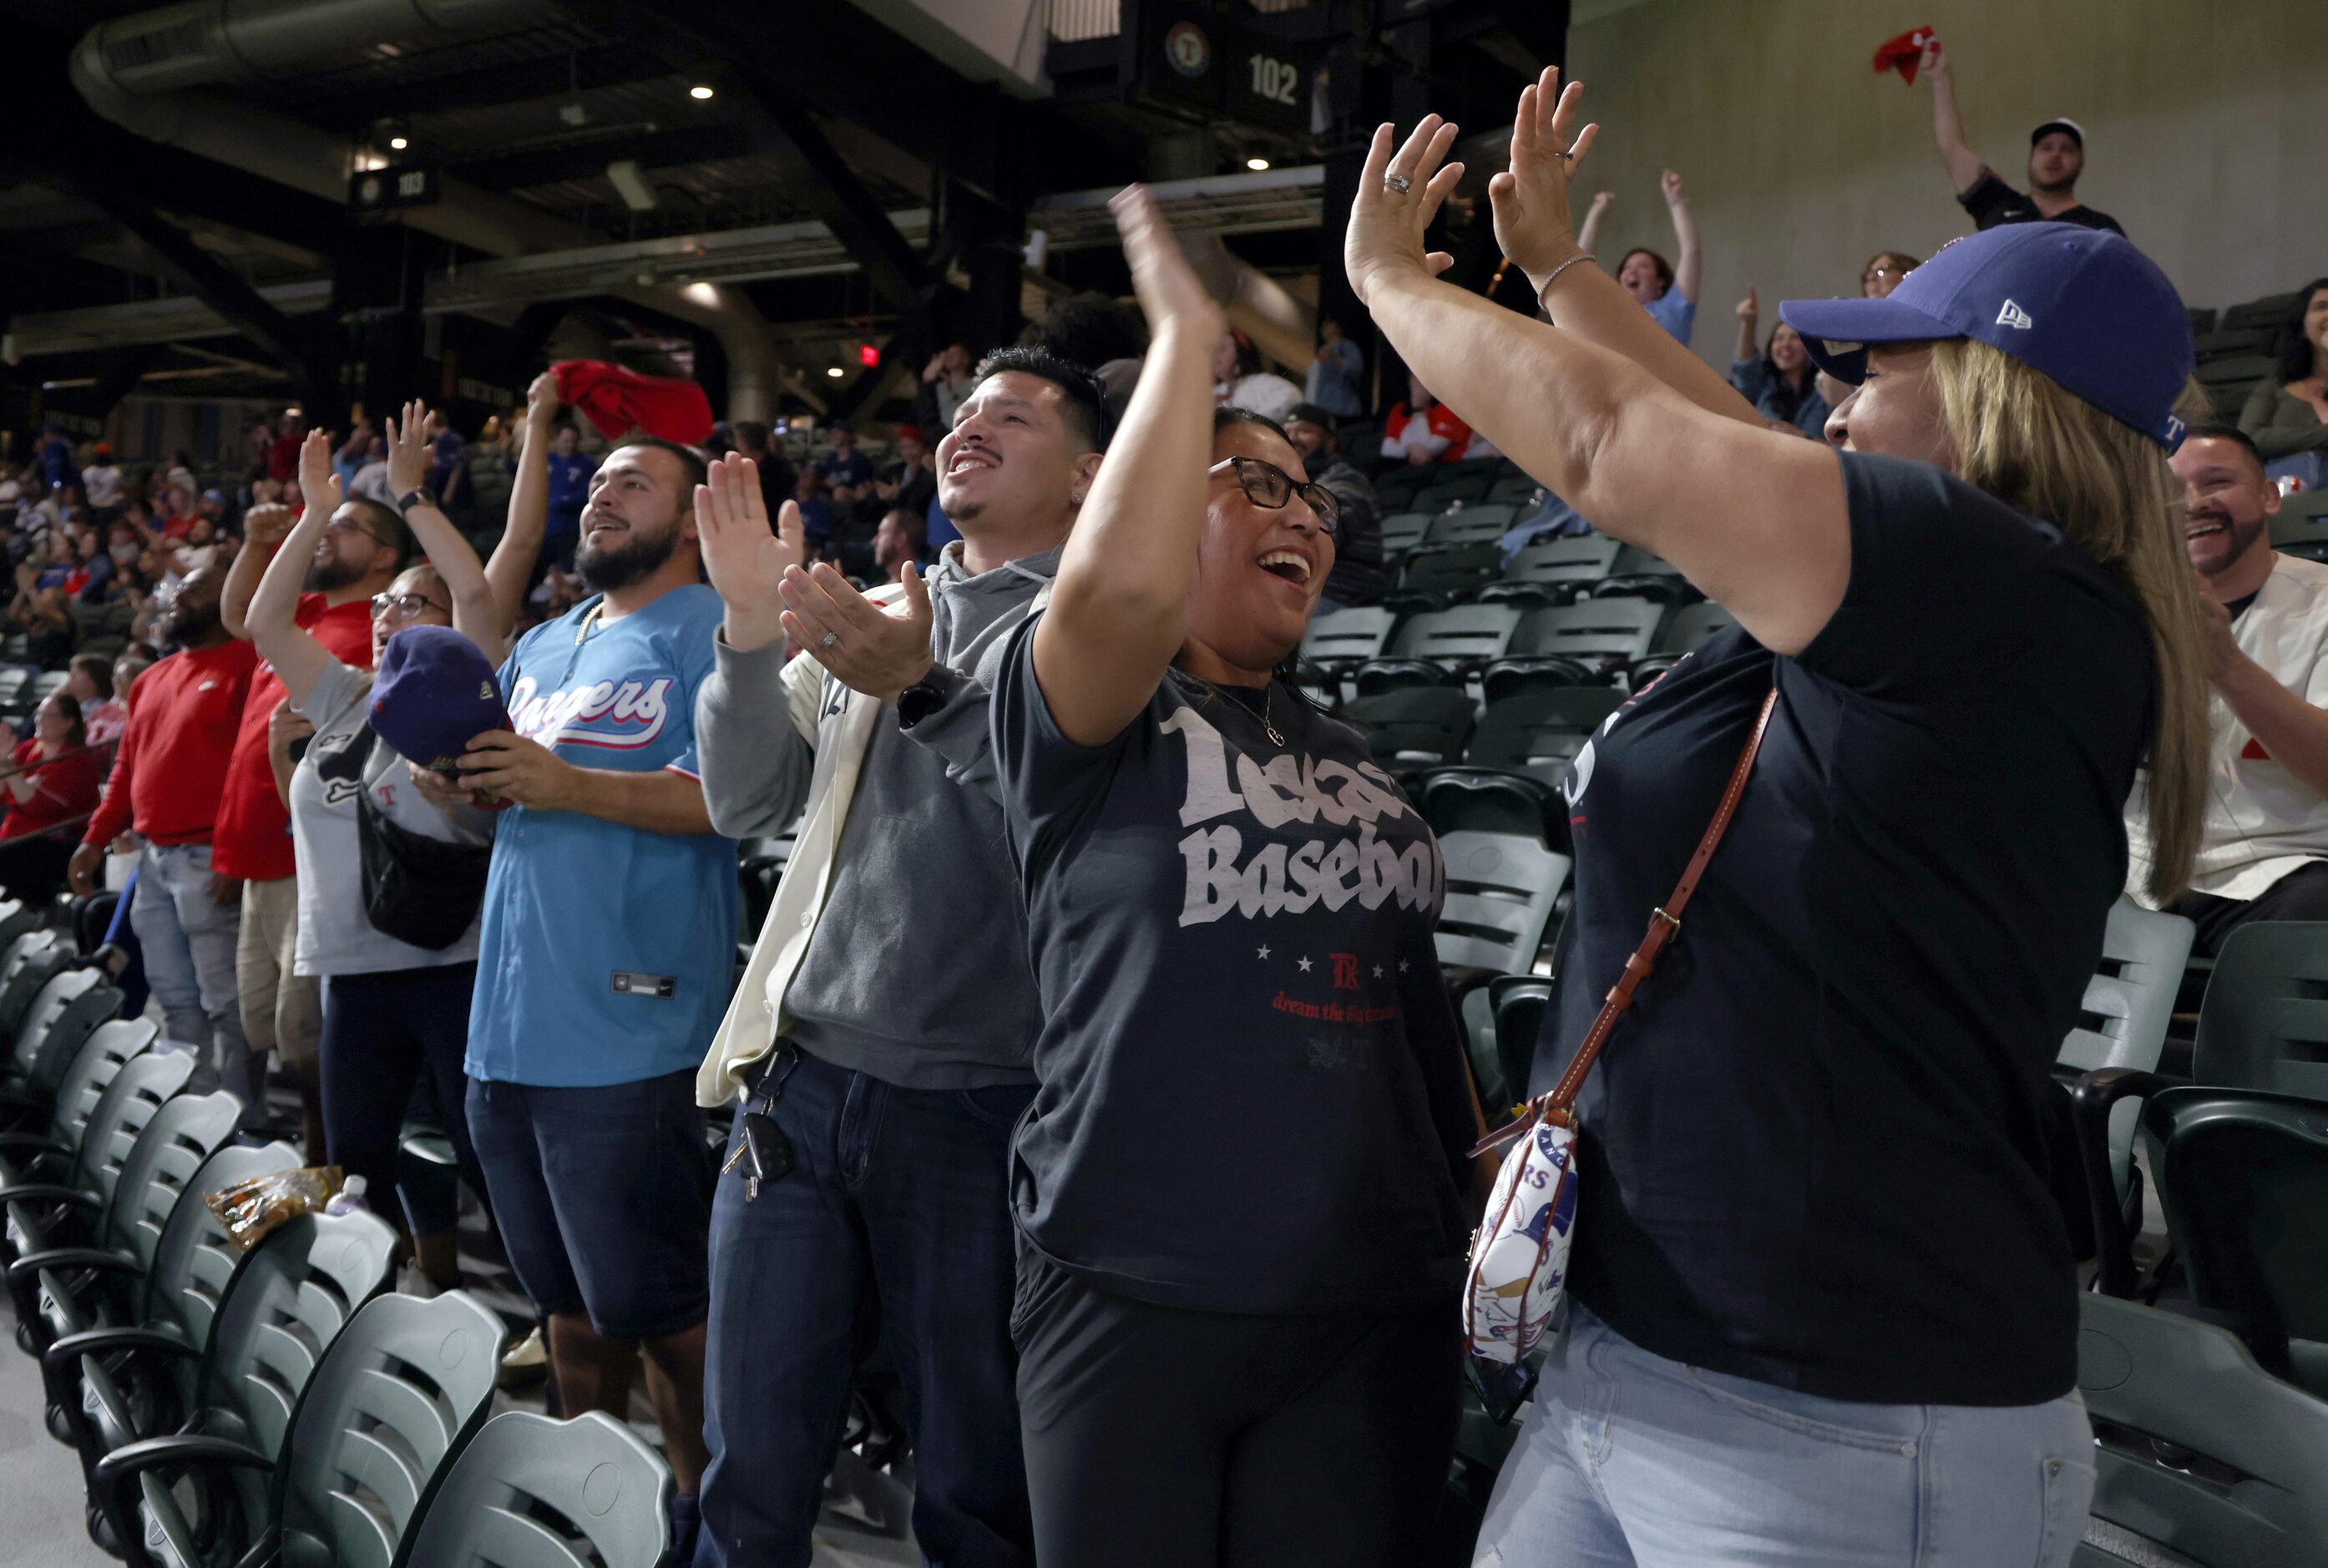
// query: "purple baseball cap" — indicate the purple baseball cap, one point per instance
point(434, 690)
point(2082, 305)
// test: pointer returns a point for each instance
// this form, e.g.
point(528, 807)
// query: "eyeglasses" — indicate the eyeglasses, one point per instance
point(404, 606)
point(1267, 485)
point(345, 525)
point(1883, 270)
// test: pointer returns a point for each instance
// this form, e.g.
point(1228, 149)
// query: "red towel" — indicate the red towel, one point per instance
point(617, 401)
point(1903, 53)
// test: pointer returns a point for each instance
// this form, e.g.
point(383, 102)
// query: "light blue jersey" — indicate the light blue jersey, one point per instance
point(606, 953)
point(1676, 312)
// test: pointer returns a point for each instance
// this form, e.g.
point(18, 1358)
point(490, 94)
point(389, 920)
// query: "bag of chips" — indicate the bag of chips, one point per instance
point(249, 1209)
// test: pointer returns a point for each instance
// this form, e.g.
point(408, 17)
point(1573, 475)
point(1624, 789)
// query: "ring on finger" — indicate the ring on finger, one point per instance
point(828, 639)
point(1398, 183)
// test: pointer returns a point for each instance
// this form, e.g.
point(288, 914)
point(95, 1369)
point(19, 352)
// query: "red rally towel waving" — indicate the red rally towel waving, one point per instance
point(1903, 53)
point(617, 401)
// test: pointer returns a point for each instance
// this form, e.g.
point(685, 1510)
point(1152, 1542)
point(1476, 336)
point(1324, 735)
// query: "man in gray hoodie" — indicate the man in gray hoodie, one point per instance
point(879, 1042)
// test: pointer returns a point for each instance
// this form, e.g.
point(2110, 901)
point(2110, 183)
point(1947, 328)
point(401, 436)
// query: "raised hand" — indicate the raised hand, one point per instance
point(868, 648)
point(541, 403)
point(1169, 292)
point(1600, 198)
point(1670, 183)
point(319, 486)
point(1384, 238)
point(1749, 311)
point(408, 451)
point(267, 525)
point(745, 558)
point(1531, 198)
point(1935, 63)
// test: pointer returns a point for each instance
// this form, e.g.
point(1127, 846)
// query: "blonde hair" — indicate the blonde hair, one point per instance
point(2055, 456)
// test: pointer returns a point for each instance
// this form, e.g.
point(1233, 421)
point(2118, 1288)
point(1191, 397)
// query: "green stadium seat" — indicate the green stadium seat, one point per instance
point(530, 1492)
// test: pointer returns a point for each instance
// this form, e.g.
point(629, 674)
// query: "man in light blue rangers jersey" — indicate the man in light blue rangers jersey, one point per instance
point(606, 958)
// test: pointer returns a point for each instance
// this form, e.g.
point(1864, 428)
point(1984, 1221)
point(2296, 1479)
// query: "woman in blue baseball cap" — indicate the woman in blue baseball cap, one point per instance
point(1823, 1305)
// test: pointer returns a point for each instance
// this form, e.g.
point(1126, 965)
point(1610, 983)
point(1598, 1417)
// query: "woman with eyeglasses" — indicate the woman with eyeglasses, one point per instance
point(1882, 273)
point(1238, 1187)
point(393, 1012)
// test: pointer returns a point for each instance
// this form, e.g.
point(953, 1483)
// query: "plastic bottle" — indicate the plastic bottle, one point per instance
point(349, 1200)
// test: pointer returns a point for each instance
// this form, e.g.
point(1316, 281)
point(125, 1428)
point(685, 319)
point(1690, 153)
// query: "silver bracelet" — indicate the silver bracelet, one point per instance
point(1580, 256)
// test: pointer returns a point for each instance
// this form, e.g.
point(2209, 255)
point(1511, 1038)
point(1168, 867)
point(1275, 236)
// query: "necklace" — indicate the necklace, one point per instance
point(1267, 705)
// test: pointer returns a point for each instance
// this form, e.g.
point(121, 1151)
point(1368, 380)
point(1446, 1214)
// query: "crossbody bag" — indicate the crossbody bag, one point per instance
point(1518, 1271)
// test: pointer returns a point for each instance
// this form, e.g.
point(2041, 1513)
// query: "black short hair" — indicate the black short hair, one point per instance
point(689, 459)
point(1226, 415)
point(1088, 329)
point(386, 524)
point(2231, 433)
point(1085, 397)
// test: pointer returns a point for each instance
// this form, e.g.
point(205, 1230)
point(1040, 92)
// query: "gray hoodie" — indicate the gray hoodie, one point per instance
point(916, 973)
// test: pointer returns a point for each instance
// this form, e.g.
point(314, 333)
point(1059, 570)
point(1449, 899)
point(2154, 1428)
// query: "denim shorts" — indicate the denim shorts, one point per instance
point(603, 1197)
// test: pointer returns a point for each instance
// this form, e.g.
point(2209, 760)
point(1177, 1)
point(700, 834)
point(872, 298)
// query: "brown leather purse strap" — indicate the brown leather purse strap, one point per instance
point(1663, 924)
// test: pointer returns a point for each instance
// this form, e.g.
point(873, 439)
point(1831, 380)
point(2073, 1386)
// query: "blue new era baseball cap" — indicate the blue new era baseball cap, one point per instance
point(434, 690)
point(2082, 305)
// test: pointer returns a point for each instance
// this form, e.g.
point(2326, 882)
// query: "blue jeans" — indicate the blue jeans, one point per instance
point(895, 1220)
point(189, 941)
point(1625, 1458)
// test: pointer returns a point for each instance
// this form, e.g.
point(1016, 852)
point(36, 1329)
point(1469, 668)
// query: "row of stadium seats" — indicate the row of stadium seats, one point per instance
point(278, 1405)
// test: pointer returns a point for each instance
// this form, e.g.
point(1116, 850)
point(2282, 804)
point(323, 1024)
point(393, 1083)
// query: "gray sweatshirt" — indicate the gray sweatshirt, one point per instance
point(916, 973)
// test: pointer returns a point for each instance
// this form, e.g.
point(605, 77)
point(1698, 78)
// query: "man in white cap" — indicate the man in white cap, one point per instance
point(2057, 156)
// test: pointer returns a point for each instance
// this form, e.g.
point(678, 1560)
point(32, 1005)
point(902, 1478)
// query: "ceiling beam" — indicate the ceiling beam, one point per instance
point(552, 77)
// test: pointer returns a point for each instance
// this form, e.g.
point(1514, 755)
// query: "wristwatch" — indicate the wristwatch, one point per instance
point(926, 696)
point(411, 499)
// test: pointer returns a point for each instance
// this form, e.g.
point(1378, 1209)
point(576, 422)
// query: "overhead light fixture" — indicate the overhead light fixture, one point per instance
point(699, 91)
point(836, 373)
point(1256, 164)
point(631, 185)
point(397, 144)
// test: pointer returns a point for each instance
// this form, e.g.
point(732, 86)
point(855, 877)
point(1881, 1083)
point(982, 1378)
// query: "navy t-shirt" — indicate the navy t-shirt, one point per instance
point(1814, 1154)
point(1992, 202)
point(1252, 1093)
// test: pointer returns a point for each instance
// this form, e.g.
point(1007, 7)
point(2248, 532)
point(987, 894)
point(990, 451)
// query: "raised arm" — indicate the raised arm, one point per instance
point(1118, 610)
point(1531, 212)
point(272, 613)
point(1965, 166)
point(1756, 519)
point(1689, 266)
point(1750, 316)
point(1591, 229)
point(511, 568)
point(264, 528)
point(475, 614)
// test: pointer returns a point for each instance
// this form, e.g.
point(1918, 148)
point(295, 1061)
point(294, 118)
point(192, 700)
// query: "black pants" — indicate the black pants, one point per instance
point(382, 1034)
point(2301, 895)
point(1158, 1437)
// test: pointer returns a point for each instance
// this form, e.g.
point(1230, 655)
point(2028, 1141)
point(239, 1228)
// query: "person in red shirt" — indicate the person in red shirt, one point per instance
point(167, 783)
point(55, 783)
point(1422, 430)
point(282, 452)
point(364, 546)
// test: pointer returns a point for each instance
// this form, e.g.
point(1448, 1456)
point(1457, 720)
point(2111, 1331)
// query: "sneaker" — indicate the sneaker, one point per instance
point(526, 1361)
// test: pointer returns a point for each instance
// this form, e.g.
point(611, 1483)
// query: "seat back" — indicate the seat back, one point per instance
point(184, 1131)
point(1692, 625)
point(283, 1309)
point(1403, 531)
point(1518, 1002)
point(2197, 1449)
point(2129, 1002)
point(193, 1258)
point(1418, 727)
point(32, 961)
point(1456, 800)
point(1482, 524)
point(16, 919)
point(72, 1004)
point(1586, 558)
point(2243, 1178)
point(1455, 569)
point(1465, 635)
point(134, 1092)
point(406, 1383)
point(1539, 732)
point(1442, 493)
point(531, 1492)
point(1349, 636)
point(2264, 1024)
point(1616, 630)
point(1500, 890)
